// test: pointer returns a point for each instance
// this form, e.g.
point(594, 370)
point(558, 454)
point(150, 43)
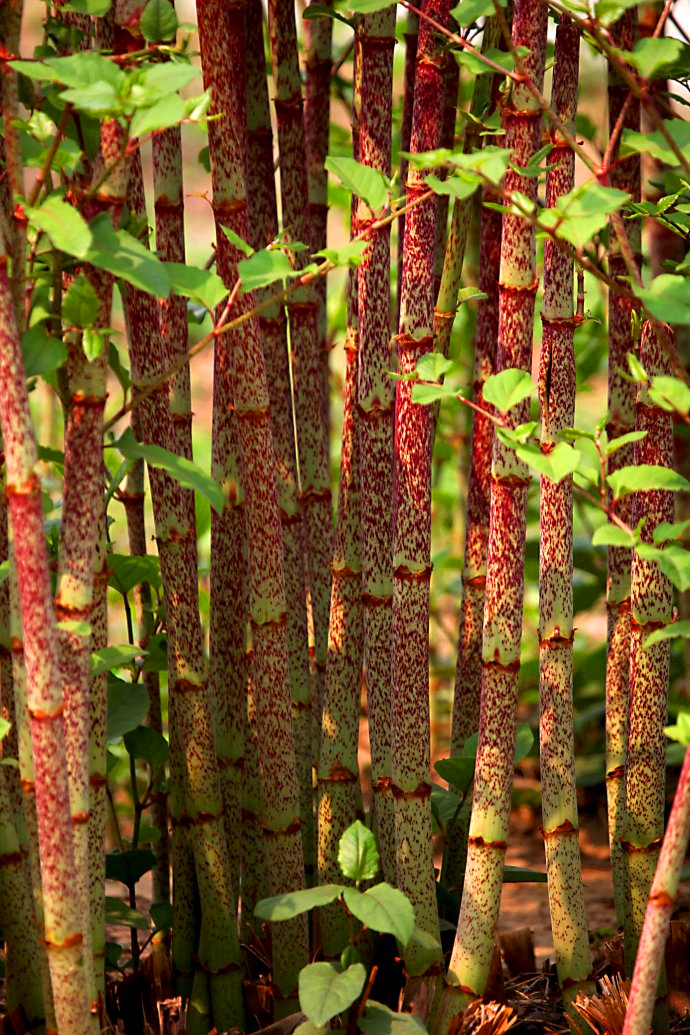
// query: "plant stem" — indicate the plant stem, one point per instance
point(411, 43)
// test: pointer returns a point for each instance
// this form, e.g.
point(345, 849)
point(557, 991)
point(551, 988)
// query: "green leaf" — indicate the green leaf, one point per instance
point(358, 856)
point(681, 731)
point(182, 470)
point(379, 1020)
point(120, 914)
point(308, 1027)
point(469, 11)
point(129, 867)
point(363, 181)
point(285, 907)
point(128, 705)
point(470, 294)
point(64, 225)
point(556, 465)
point(161, 914)
point(143, 742)
point(643, 477)
point(673, 560)
point(166, 112)
point(349, 256)
point(97, 99)
point(433, 365)
point(668, 632)
point(670, 393)
point(384, 909)
point(522, 875)
point(88, 68)
point(581, 213)
point(612, 535)
point(93, 343)
point(125, 572)
point(670, 530)
point(650, 56)
point(314, 11)
point(454, 186)
point(458, 771)
point(96, 8)
point(108, 658)
point(5, 727)
point(425, 394)
point(366, 6)
point(524, 742)
point(158, 21)
point(156, 82)
point(324, 991)
point(507, 389)
point(203, 286)
point(475, 64)
point(655, 143)
point(668, 298)
point(75, 626)
point(238, 242)
point(80, 303)
point(623, 440)
point(422, 951)
point(122, 255)
point(42, 353)
point(609, 11)
point(263, 268)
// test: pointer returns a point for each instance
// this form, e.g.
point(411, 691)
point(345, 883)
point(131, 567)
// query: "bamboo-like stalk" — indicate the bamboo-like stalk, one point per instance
point(451, 76)
point(12, 181)
point(651, 600)
point(318, 37)
point(502, 633)
point(63, 935)
point(98, 802)
point(338, 767)
point(621, 403)
point(410, 748)
point(263, 228)
point(662, 899)
point(240, 364)
point(309, 403)
point(557, 399)
point(375, 396)
point(411, 43)
point(193, 737)
point(254, 862)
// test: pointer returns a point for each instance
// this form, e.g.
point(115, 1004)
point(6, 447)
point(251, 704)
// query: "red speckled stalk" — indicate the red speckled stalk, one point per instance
point(318, 36)
point(471, 958)
point(621, 404)
point(338, 768)
point(10, 150)
point(98, 723)
point(411, 42)
point(376, 398)
point(557, 398)
point(651, 599)
point(309, 404)
point(263, 228)
point(240, 366)
point(451, 75)
point(254, 862)
point(660, 907)
point(44, 691)
point(188, 677)
point(410, 747)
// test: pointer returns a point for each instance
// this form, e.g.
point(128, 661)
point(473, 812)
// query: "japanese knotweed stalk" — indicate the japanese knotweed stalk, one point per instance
point(557, 399)
point(411, 43)
point(62, 915)
point(240, 363)
point(471, 957)
point(338, 768)
point(660, 906)
point(621, 403)
point(410, 748)
point(318, 38)
point(375, 398)
point(263, 228)
point(451, 76)
point(192, 726)
point(98, 735)
point(307, 366)
point(651, 600)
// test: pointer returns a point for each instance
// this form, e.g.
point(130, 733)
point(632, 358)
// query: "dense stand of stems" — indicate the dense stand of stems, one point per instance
point(502, 634)
point(240, 366)
point(557, 399)
point(621, 403)
point(410, 748)
point(651, 604)
point(375, 397)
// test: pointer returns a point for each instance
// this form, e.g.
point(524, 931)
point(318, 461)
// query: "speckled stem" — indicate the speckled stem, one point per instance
point(621, 404)
point(375, 397)
point(468, 669)
point(44, 691)
point(557, 399)
point(338, 767)
point(660, 907)
point(651, 600)
point(471, 957)
point(12, 180)
point(98, 723)
point(254, 856)
point(411, 42)
point(318, 36)
point(451, 76)
point(187, 666)
point(309, 404)
point(9, 747)
point(240, 365)
point(263, 228)
point(410, 746)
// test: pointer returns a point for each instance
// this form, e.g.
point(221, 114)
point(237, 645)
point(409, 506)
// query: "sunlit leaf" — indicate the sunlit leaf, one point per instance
point(324, 991)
